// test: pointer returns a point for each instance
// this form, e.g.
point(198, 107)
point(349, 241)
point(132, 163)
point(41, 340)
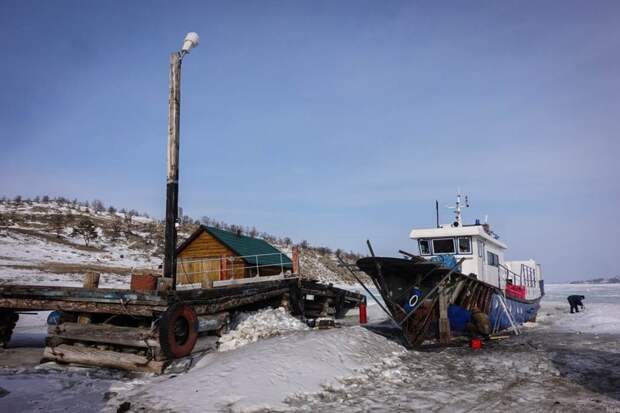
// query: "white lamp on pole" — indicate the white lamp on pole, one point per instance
point(191, 40)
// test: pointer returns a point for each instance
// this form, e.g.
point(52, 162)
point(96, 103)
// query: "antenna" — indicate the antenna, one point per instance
point(458, 222)
point(437, 212)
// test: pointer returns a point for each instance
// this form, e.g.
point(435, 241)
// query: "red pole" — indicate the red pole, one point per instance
point(363, 314)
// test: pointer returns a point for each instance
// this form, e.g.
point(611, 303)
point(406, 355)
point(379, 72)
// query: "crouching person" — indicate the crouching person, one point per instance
point(575, 302)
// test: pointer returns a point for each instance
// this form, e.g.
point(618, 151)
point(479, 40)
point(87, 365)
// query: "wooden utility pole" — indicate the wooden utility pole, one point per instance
point(172, 180)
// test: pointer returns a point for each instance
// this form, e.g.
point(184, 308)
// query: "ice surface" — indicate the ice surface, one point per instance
point(601, 313)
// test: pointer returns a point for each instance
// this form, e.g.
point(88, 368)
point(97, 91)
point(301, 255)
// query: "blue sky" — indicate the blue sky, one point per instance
point(329, 121)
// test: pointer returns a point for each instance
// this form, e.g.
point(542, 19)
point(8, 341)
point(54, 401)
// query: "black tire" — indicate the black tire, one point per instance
point(8, 319)
point(178, 330)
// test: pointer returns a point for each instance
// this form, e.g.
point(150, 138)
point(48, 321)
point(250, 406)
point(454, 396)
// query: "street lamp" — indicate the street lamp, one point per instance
point(172, 179)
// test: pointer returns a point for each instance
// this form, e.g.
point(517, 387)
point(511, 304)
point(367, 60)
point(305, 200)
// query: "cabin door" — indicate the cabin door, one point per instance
point(211, 268)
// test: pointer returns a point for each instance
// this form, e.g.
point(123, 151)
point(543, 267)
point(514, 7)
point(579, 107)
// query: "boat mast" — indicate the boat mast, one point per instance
point(458, 209)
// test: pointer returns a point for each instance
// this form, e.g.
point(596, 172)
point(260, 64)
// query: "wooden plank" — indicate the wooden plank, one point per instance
point(79, 307)
point(230, 291)
point(444, 322)
point(102, 295)
point(242, 281)
point(90, 356)
point(107, 334)
point(229, 303)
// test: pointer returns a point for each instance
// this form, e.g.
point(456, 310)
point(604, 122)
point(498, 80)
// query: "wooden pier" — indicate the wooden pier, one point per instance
point(146, 330)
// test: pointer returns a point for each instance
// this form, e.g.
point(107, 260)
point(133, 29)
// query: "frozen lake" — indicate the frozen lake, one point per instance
point(564, 362)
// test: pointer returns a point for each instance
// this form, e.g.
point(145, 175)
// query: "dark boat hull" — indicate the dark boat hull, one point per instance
point(409, 288)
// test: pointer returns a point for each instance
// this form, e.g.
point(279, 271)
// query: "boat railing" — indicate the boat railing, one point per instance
point(504, 275)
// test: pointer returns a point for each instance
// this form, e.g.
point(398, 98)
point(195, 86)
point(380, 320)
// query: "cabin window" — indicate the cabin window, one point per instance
point(443, 246)
point(480, 249)
point(425, 247)
point(492, 259)
point(465, 245)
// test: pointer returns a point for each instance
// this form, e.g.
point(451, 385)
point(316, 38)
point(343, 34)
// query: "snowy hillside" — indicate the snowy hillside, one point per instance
point(55, 242)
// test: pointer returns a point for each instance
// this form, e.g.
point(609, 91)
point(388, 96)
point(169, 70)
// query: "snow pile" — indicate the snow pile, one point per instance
point(265, 323)
point(262, 375)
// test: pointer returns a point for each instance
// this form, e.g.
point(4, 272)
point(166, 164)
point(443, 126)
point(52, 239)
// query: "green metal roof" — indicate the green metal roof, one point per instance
point(252, 249)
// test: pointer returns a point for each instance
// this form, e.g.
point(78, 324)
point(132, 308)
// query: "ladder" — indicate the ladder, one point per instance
point(513, 325)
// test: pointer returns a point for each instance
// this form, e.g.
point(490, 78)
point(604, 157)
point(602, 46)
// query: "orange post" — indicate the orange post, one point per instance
point(223, 268)
point(295, 260)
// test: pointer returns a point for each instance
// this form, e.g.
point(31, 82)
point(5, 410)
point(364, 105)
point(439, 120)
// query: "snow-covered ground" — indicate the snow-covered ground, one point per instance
point(563, 363)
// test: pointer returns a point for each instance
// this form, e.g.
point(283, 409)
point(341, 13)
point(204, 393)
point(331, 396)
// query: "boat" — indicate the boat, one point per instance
point(458, 277)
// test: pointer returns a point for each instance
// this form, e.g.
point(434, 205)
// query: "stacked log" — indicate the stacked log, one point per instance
point(135, 342)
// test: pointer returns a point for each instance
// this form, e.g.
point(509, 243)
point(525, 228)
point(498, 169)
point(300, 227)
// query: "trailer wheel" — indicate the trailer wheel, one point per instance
point(8, 319)
point(178, 330)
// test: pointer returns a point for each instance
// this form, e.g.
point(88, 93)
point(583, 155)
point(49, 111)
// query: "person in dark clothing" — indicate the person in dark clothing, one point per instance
point(575, 302)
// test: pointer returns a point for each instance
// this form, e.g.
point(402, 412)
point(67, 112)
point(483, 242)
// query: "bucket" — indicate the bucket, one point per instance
point(475, 343)
point(143, 282)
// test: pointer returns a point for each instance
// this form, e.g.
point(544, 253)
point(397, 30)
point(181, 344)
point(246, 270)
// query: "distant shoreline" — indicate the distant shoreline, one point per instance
point(614, 280)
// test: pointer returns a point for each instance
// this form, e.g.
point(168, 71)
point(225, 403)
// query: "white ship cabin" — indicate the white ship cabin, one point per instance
point(483, 253)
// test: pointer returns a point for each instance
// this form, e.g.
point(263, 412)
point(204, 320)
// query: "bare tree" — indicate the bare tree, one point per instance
point(4, 223)
point(111, 210)
point(58, 222)
point(86, 229)
point(98, 206)
point(45, 199)
point(117, 228)
point(129, 217)
point(253, 232)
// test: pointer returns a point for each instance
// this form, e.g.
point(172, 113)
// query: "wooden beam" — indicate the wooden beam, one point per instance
point(444, 322)
point(229, 303)
point(106, 334)
point(79, 306)
point(100, 295)
point(90, 356)
point(91, 282)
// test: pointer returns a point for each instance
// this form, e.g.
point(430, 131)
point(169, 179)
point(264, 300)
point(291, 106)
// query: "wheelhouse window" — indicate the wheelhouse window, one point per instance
point(480, 249)
point(425, 247)
point(464, 245)
point(492, 259)
point(443, 246)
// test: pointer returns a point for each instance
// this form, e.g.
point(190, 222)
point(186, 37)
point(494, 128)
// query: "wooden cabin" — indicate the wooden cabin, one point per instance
point(211, 254)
